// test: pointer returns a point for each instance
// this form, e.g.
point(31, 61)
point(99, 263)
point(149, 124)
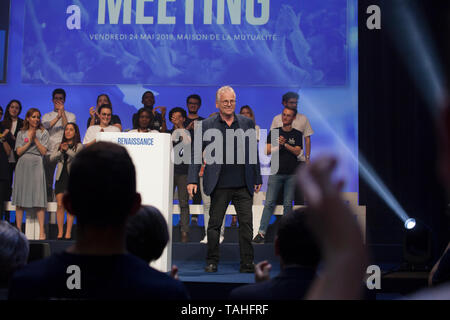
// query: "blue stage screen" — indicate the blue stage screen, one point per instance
point(2, 54)
point(276, 43)
point(315, 54)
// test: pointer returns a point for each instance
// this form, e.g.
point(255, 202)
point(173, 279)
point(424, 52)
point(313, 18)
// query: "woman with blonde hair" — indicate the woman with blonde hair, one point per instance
point(29, 190)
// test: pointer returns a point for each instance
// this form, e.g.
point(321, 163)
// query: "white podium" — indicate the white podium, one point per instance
point(151, 155)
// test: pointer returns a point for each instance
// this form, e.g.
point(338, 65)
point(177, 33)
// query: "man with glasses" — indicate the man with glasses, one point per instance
point(54, 122)
point(193, 103)
point(227, 178)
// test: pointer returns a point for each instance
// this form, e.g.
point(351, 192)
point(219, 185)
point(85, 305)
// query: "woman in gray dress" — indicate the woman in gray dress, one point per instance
point(29, 190)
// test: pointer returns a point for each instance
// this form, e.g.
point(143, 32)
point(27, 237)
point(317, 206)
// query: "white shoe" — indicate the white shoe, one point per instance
point(204, 240)
point(221, 239)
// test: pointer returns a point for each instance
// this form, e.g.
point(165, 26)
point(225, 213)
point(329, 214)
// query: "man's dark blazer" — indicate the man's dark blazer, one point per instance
point(212, 171)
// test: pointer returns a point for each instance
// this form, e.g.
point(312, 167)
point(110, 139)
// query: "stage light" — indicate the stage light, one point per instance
point(365, 170)
point(410, 223)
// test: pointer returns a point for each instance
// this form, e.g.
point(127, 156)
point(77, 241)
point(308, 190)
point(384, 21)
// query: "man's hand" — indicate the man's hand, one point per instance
point(257, 187)
point(32, 134)
point(64, 146)
point(262, 271)
point(174, 272)
point(281, 140)
point(163, 110)
point(5, 133)
point(177, 122)
point(92, 112)
point(191, 125)
point(192, 189)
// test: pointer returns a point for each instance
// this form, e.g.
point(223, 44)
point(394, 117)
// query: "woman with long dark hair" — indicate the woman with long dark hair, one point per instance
point(13, 124)
point(29, 190)
point(69, 147)
point(5, 151)
point(94, 113)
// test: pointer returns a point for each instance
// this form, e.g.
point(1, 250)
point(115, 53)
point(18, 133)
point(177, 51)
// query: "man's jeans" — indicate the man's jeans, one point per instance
point(275, 184)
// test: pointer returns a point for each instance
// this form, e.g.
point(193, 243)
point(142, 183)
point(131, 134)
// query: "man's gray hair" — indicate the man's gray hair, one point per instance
point(222, 90)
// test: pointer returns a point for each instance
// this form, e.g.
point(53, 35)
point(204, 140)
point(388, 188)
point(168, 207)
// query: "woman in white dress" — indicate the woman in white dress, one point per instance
point(29, 190)
point(105, 113)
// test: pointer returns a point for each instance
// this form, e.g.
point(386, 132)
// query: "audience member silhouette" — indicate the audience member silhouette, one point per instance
point(148, 235)
point(299, 255)
point(97, 266)
point(333, 224)
point(14, 250)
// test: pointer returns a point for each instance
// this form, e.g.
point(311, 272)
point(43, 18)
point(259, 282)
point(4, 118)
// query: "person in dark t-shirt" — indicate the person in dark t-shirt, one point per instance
point(193, 104)
point(158, 121)
point(285, 144)
point(182, 145)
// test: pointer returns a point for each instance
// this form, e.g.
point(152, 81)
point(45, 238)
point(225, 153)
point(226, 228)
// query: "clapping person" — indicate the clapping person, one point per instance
point(105, 113)
point(94, 118)
point(69, 147)
point(145, 118)
point(5, 151)
point(158, 121)
point(54, 122)
point(13, 124)
point(29, 190)
point(147, 235)
point(181, 140)
point(101, 193)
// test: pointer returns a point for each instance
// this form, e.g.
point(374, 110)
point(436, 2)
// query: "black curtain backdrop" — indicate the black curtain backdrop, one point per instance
point(397, 134)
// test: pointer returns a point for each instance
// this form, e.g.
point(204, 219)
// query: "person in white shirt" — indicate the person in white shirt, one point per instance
point(54, 122)
point(105, 113)
point(301, 123)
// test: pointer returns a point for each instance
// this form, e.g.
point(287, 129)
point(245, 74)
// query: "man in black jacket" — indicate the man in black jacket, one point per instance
point(232, 173)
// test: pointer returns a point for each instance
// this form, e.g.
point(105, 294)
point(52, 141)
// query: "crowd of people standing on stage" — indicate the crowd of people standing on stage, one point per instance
point(38, 151)
point(113, 236)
